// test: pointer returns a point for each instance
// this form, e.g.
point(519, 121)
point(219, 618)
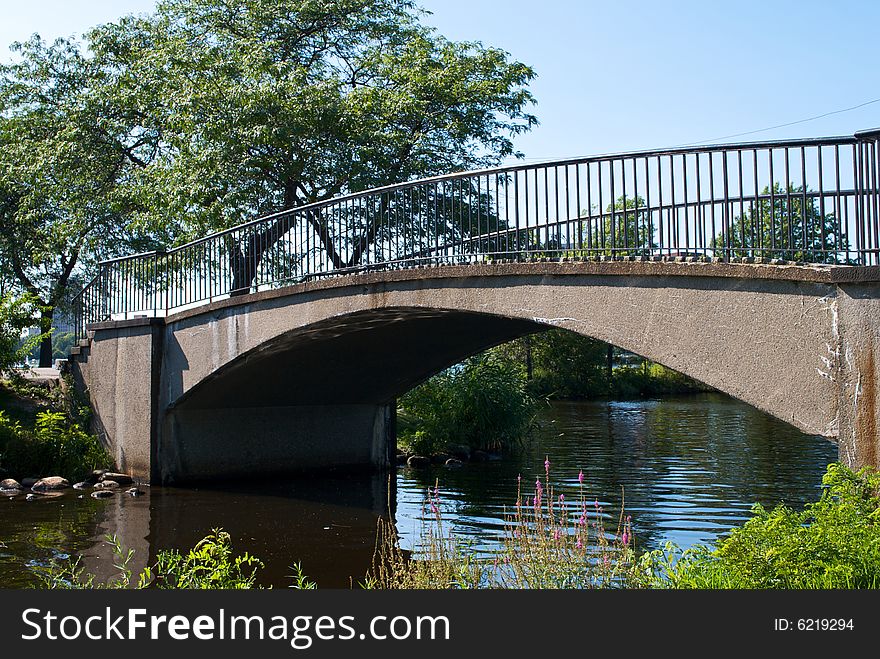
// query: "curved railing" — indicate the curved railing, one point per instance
point(812, 200)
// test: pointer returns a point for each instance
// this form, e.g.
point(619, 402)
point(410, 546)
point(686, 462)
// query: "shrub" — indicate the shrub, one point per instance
point(832, 543)
point(482, 403)
point(209, 565)
point(55, 446)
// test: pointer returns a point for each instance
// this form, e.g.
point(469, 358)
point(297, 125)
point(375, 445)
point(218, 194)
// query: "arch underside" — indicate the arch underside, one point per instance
point(752, 340)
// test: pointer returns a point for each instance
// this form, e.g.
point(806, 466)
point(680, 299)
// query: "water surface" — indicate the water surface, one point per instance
point(686, 470)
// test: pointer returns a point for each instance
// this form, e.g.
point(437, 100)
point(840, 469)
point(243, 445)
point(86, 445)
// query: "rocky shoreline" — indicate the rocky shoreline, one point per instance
point(456, 457)
point(102, 482)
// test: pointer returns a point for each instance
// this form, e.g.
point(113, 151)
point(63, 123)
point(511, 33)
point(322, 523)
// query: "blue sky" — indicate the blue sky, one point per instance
point(616, 76)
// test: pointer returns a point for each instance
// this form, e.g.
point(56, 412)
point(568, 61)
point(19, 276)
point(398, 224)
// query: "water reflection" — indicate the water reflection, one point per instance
point(687, 469)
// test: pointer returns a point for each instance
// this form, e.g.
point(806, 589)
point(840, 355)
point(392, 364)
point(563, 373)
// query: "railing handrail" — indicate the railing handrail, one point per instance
point(711, 200)
point(507, 169)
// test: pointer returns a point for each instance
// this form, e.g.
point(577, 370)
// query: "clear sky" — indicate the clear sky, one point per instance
point(616, 75)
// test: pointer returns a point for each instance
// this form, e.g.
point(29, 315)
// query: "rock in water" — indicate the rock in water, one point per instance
point(102, 494)
point(31, 497)
point(81, 486)
point(134, 492)
point(461, 451)
point(454, 463)
point(107, 485)
point(122, 479)
point(418, 461)
point(95, 476)
point(479, 456)
point(49, 484)
point(10, 484)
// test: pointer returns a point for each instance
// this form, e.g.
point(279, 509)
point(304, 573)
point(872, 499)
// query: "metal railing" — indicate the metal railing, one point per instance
point(811, 201)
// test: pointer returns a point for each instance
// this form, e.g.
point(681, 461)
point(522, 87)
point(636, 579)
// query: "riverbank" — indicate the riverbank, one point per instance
point(44, 446)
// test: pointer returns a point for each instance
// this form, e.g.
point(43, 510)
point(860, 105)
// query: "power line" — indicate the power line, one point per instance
point(790, 123)
point(727, 137)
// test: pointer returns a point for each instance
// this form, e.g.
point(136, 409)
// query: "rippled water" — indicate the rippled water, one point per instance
point(688, 469)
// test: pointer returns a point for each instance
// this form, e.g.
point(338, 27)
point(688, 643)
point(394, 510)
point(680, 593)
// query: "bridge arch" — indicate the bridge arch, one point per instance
point(306, 376)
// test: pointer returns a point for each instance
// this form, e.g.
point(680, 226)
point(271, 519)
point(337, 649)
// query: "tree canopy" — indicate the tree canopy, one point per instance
point(785, 224)
point(207, 113)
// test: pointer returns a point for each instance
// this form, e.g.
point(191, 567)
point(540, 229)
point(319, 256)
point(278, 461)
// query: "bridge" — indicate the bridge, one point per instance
point(281, 345)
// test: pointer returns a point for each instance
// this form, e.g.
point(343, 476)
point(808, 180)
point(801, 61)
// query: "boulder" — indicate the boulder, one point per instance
point(479, 456)
point(50, 484)
point(454, 463)
point(122, 479)
point(418, 461)
point(461, 451)
point(102, 494)
point(95, 476)
point(107, 485)
point(81, 485)
point(134, 492)
point(10, 484)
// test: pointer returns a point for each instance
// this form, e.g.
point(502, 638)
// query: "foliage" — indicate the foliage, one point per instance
point(62, 342)
point(210, 565)
point(567, 365)
point(651, 380)
point(55, 446)
point(624, 229)
point(482, 403)
point(265, 105)
point(548, 543)
point(832, 543)
point(68, 156)
point(17, 313)
point(785, 224)
point(564, 364)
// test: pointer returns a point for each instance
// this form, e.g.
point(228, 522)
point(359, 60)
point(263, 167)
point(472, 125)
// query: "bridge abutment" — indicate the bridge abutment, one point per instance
point(207, 444)
point(858, 326)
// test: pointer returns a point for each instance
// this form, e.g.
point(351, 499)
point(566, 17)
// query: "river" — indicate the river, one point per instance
point(686, 469)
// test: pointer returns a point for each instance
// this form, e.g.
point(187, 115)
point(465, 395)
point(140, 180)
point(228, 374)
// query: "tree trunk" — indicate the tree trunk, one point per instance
point(609, 364)
point(528, 342)
point(46, 343)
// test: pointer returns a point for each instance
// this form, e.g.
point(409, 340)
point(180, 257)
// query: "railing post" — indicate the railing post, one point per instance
point(867, 193)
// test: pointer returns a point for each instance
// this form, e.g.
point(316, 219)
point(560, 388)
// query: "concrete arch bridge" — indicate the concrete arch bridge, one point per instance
point(281, 345)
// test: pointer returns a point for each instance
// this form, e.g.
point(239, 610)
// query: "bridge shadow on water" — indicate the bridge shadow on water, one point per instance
point(327, 523)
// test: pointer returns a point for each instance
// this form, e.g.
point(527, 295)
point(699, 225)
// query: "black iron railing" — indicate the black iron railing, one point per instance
point(812, 201)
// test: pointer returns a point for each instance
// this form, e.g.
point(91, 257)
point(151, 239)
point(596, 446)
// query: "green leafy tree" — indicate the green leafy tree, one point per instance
point(786, 224)
point(69, 154)
point(268, 105)
point(560, 363)
point(17, 313)
point(624, 229)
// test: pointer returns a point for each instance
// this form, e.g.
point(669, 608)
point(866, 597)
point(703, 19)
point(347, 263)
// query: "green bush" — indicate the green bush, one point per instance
point(210, 565)
point(56, 446)
point(482, 403)
point(651, 380)
point(832, 543)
